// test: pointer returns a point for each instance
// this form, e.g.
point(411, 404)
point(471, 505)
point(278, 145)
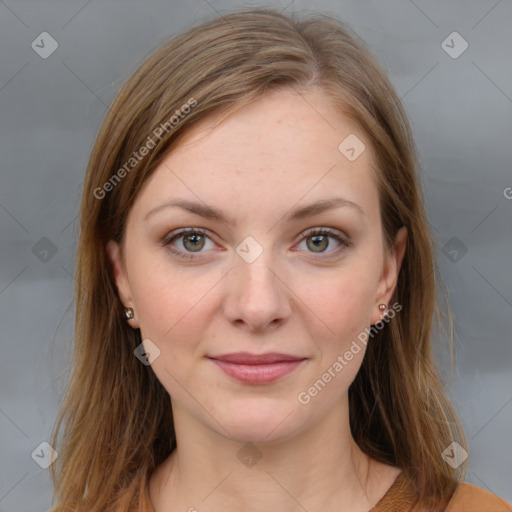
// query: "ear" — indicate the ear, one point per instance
point(390, 271)
point(121, 279)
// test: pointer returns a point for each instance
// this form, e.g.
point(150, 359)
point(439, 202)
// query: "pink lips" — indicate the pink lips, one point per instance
point(257, 368)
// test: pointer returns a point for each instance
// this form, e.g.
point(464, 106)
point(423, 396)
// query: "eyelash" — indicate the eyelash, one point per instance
point(167, 241)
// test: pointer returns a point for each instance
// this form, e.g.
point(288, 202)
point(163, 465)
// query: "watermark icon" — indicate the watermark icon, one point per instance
point(44, 45)
point(507, 192)
point(351, 147)
point(454, 45)
point(44, 455)
point(249, 250)
point(149, 143)
point(454, 454)
point(44, 249)
point(147, 352)
point(304, 397)
point(454, 249)
point(249, 455)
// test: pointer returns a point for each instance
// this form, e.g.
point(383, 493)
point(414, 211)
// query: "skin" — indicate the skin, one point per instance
point(269, 158)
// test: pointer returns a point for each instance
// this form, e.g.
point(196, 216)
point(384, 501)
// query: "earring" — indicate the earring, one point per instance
point(383, 308)
point(129, 313)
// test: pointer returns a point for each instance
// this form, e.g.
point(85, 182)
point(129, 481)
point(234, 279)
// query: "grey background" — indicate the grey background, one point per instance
point(50, 110)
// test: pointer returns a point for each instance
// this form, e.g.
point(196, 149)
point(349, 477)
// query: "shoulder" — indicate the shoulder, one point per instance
point(469, 498)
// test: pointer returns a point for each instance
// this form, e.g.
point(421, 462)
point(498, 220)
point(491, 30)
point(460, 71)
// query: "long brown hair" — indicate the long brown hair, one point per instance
point(115, 425)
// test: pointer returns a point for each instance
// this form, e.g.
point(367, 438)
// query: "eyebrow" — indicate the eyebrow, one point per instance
point(209, 212)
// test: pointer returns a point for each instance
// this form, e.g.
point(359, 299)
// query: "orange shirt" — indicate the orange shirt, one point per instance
point(467, 498)
point(400, 497)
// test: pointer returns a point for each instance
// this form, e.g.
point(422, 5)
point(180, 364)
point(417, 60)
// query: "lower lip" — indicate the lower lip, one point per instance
point(258, 373)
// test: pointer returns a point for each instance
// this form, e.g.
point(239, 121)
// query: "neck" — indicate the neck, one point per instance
point(318, 468)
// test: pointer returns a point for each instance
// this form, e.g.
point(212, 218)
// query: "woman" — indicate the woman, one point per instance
point(256, 287)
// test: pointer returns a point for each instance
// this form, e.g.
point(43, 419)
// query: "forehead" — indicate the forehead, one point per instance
point(282, 149)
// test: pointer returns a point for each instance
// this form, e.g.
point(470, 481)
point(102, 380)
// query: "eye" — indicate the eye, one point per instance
point(193, 240)
point(317, 240)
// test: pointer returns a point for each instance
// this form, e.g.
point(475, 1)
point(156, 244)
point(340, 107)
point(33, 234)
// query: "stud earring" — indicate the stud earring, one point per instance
point(129, 313)
point(383, 308)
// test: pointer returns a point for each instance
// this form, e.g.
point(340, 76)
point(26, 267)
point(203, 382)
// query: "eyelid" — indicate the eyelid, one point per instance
point(324, 230)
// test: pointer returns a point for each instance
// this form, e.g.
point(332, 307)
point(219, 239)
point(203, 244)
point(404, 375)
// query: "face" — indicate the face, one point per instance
point(255, 272)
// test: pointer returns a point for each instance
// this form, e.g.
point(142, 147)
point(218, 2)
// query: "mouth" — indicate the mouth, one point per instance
point(257, 368)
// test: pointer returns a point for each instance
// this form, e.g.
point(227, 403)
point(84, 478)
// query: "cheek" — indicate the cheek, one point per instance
point(171, 305)
point(342, 302)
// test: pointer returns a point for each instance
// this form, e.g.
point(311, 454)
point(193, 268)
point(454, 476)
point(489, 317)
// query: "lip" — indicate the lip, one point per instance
point(257, 368)
point(248, 358)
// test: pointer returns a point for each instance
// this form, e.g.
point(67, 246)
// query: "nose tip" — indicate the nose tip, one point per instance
point(256, 296)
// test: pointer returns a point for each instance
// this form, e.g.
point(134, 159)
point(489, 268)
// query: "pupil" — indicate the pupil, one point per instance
point(195, 240)
point(319, 241)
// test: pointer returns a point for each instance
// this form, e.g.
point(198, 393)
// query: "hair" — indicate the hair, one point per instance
point(115, 425)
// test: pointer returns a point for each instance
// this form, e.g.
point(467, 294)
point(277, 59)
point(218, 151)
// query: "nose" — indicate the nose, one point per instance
point(256, 296)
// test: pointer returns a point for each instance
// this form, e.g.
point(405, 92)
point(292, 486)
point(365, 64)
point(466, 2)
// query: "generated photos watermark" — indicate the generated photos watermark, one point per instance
point(304, 397)
point(149, 143)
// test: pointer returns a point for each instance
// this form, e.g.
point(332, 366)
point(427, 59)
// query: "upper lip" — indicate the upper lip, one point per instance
point(248, 358)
